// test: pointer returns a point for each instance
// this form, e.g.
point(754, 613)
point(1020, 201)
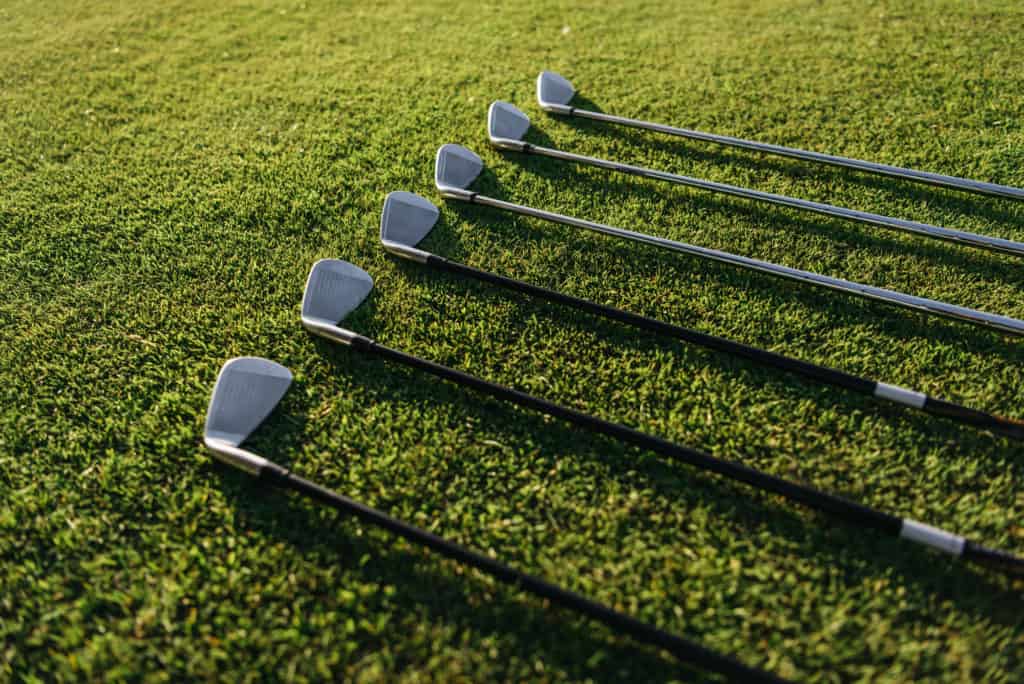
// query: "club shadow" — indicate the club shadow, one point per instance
point(1001, 211)
point(974, 445)
point(445, 598)
point(565, 640)
point(757, 214)
point(743, 510)
point(888, 322)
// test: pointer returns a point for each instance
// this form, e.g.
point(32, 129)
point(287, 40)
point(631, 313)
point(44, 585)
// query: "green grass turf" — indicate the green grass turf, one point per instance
point(169, 173)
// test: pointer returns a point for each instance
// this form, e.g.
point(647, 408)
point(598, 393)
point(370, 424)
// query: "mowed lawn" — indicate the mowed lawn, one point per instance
point(169, 173)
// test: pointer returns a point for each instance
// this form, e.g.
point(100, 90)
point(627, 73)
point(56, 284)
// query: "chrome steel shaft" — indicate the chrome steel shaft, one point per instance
point(1004, 324)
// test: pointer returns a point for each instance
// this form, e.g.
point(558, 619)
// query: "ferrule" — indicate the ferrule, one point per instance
point(235, 457)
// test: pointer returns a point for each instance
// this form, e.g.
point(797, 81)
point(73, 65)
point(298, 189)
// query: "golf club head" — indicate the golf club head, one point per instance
point(405, 220)
point(455, 170)
point(334, 289)
point(554, 93)
point(247, 390)
point(506, 126)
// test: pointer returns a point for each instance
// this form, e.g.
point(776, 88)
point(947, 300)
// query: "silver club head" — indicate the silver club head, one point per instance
point(455, 170)
point(405, 220)
point(247, 390)
point(334, 289)
point(506, 126)
point(554, 92)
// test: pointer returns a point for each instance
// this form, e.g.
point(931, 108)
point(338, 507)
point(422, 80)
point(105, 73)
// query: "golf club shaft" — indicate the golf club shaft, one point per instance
point(682, 649)
point(1002, 323)
point(849, 511)
point(822, 374)
point(957, 236)
point(926, 177)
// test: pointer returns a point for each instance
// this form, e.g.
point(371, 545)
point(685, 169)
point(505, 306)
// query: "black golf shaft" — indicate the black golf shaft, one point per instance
point(844, 509)
point(682, 649)
point(938, 407)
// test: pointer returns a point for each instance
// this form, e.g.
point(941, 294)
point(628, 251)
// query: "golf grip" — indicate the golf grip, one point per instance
point(682, 649)
point(820, 373)
point(844, 509)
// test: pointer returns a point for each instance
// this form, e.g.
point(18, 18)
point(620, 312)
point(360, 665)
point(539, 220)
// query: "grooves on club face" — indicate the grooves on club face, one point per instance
point(455, 169)
point(506, 126)
point(554, 92)
point(334, 289)
point(405, 220)
point(246, 392)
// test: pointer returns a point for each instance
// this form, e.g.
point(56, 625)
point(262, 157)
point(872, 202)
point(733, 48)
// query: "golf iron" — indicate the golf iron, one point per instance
point(457, 167)
point(555, 92)
point(407, 219)
point(336, 288)
point(248, 389)
point(506, 126)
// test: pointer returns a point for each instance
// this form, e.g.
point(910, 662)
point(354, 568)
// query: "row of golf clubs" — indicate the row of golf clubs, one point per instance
point(407, 219)
point(248, 389)
point(506, 127)
point(457, 167)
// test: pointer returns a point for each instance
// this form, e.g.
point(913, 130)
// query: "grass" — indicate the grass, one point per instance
point(170, 172)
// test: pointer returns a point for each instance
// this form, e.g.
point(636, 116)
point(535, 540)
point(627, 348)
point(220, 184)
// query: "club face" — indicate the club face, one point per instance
point(456, 167)
point(406, 219)
point(553, 89)
point(505, 121)
point(334, 289)
point(247, 390)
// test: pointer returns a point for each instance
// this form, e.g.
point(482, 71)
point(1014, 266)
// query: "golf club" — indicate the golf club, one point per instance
point(457, 167)
point(336, 288)
point(248, 389)
point(554, 93)
point(408, 218)
point(506, 126)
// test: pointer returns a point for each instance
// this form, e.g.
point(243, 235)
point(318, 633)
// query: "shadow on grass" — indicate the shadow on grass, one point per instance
point(790, 386)
point(914, 566)
point(570, 644)
point(538, 629)
point(998, 210)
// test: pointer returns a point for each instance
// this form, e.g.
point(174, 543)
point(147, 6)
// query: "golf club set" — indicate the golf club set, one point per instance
point(248, 388)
